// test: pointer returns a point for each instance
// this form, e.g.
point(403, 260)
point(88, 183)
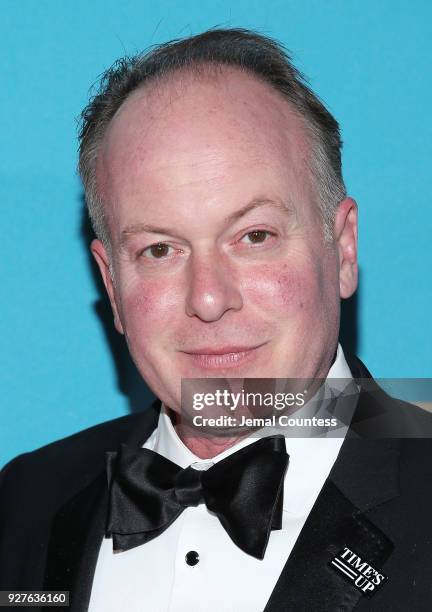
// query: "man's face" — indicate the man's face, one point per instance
point(219, 266)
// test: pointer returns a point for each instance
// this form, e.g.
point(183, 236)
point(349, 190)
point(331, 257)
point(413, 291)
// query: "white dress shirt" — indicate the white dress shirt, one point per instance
point(155, 577)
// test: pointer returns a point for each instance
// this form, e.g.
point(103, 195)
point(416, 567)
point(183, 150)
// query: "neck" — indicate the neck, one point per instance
point(202, 444)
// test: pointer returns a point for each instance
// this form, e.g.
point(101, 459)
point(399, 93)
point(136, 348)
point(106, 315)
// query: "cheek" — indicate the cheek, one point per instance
point(285, 288)
point(147, 307)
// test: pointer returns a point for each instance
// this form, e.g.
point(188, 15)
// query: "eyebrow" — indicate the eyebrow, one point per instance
point(140, 228)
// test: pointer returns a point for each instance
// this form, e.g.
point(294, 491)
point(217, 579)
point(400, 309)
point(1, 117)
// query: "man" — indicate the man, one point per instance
point(225, 241)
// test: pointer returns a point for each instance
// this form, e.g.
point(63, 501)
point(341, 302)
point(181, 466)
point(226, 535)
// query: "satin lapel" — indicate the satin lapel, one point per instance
point(308, 581)
point(76, 535)
point(364, 476)
point(79, 526)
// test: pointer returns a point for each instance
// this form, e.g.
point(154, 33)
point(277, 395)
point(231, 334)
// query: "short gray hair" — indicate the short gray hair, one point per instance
point(249, 51)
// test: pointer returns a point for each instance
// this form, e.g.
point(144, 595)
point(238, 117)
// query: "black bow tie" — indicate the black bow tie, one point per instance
point(244, 490)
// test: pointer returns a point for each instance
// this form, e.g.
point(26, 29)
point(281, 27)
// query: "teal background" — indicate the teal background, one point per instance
point(369, 61)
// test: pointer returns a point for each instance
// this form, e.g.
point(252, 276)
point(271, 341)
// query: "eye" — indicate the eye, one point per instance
point(257, 236)
point(157, 251)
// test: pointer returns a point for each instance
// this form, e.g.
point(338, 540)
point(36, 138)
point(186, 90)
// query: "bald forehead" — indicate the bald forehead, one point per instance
point(214, 85)
point(217, 103)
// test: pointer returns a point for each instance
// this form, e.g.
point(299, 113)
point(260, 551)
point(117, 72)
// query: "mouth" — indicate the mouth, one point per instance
point(222, 357)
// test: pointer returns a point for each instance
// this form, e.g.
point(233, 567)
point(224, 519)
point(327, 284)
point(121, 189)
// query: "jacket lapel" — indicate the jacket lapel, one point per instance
point(364, 476)
point(79, 526)
point(309, 581)
point(76, 535)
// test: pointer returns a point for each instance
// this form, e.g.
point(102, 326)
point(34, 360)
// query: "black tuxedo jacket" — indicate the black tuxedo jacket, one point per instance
point(377, 501)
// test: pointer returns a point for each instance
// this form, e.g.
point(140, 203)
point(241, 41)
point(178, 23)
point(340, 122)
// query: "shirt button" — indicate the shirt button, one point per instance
point(192, 557)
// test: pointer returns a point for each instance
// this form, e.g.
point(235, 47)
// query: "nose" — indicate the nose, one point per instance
point(212, 288)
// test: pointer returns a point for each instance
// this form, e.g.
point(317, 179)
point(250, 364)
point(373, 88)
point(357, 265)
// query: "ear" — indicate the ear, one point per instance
point(346, 240)
point(101, 256)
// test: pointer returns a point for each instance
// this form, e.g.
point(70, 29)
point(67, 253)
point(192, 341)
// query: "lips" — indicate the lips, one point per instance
point(222, 357)
point(225, 350)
